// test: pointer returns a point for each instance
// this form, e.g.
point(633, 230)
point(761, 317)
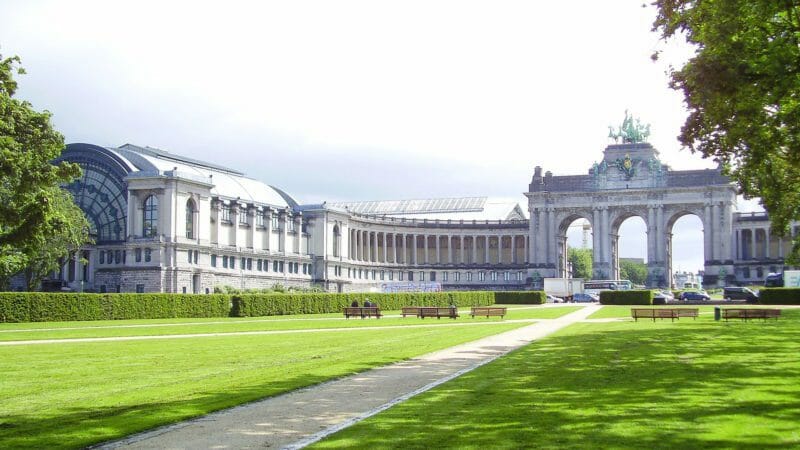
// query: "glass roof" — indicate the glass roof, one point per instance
point(420, 206)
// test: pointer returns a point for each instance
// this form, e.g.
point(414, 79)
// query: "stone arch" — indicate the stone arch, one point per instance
point(672, 219)
point(618, 217)
point(560, 245)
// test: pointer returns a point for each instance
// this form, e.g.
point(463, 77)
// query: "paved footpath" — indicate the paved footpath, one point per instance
point(304, 416)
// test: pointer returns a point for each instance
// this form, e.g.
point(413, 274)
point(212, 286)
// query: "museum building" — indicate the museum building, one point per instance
point(167, 223)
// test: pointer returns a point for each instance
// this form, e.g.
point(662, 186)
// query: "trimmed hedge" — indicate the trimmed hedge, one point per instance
point(254, 305)
point(58, 306)
point(520, 297)
point(779, 296)
point(632, 297)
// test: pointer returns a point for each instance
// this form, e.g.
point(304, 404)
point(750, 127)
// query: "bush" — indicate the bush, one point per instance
point(633, 297)
point(520, 297)
point(779, 296)
point(58, 306)
point(253, 305)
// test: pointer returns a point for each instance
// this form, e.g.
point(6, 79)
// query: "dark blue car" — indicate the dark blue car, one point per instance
point(695, 295)
point(585, 298)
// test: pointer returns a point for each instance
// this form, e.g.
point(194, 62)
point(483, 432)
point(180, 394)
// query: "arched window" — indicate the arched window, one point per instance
point(150, 227)
point(190, 209)
point(336, 239)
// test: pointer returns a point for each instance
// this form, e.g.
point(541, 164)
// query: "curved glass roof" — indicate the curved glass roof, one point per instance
point(227, 183)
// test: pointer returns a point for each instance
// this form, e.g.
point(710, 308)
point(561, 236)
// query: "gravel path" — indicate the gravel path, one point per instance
point(304, 416)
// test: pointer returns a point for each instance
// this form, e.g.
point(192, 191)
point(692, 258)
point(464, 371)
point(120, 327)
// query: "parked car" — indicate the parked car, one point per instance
point(695, 295)
point(739, 293)
point(585, 298)
point(662, 297)
point(554, 299)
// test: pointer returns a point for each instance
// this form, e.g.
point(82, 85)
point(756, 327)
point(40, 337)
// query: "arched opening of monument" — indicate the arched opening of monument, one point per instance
point(576, 252)
point(685, 249)
point(629, 250)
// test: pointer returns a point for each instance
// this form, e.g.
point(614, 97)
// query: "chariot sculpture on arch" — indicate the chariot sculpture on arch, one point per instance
point(630, 132)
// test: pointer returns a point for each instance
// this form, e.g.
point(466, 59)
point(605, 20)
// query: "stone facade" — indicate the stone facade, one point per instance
point(165, 223)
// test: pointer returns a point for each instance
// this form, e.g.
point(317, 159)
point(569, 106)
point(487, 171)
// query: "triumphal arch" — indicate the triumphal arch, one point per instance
point(631, 181)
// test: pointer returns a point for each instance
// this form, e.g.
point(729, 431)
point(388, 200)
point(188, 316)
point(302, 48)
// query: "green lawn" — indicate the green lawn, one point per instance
point(687, 384)
point(64, 330)
point(70, 395)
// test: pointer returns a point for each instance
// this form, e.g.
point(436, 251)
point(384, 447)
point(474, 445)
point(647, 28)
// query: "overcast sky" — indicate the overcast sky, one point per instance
point(359, 100)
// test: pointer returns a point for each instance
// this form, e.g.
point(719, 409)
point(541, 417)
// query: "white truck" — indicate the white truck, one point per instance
point(563, 287)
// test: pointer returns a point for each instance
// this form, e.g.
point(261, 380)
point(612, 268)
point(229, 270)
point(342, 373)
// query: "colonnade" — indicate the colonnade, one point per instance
point(437, 249)
point(759, 243)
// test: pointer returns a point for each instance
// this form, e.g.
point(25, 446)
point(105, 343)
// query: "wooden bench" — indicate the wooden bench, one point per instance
point(488, 311)
point(663, 313)
point(438, 312)
point(410, 311)
point(750, 313)
point(653, 313)
point(687, 312)
point(362, 311)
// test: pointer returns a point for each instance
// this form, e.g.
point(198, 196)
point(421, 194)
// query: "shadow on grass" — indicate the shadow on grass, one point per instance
point(81, 427)
point(693, 384)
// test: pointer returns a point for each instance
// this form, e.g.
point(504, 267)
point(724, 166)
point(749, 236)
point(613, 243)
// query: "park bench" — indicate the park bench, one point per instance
point(750, 313)
point(653, 313)
point(362, 311)
point(410, 311)
point(438, 312)
point(488, 311)
point(687, 312)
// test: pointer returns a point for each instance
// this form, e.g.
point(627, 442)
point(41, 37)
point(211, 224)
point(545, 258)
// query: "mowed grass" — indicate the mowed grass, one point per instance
point(70, 395)
point(71, 330)
point(687, 384)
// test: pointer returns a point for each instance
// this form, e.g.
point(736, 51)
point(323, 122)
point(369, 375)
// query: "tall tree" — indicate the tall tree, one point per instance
point(742, 90)
point(39, 222)
point(634, 271)
point(581, 260)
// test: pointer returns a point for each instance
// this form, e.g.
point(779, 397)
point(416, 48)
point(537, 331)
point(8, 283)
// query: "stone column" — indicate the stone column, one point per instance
point(474, 258)
point(463, 251)
point(766, 243)
point(438, 249)
point(753, 244)
point(416, 260)
point(385, 249)
point(708, 233)
point(487, 258)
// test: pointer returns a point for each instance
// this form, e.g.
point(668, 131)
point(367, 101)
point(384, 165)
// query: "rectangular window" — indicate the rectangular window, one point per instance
point(124, 254)
point(469, 276)
point(456, 276)
point(243, 216)
point(225, 261)
point(444, 276)
point(147, 255)
point(196, 253)
point(399, 276)
point(290, 224)
point(249, 263)
point(280, 266)
point(275, 222)
point(410, 276)
point(519, 276)
point(260, 218)
point(103, 289)
point(274, 266)
point(266, 265)
point(494, 276)
point(481, 276)
point(244, 263)
point(506, 276)
point(140, 289)
point(382, 275)
point(349, 275)
point(391, 275)
point(183, 290)
point(189, 254)
point(226, 213)
point(138, 253)
point(232, 260)
point(117, 256)
point(213, 260)
point(422, 276)
point(259, 265)
point(102, 256)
